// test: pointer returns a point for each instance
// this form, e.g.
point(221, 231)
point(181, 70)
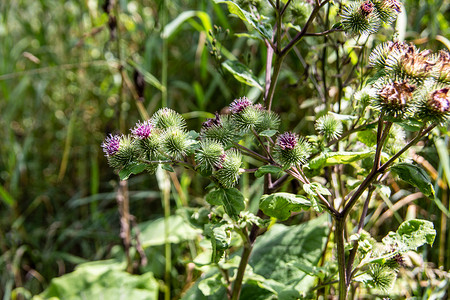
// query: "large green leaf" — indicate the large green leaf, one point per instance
point(242, 73)
point(415, 176)
point(231, 199)
point(268, 169)
point(152, 232)
point(280, 205)
point(101, 280)
point(280, 264)
point(132, 168)
point(335, 158)
point(278, 253)
point(410, 235)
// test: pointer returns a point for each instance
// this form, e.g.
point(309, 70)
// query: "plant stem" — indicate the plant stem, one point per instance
point(352, 255)
point(340, 243)
point(248, 246)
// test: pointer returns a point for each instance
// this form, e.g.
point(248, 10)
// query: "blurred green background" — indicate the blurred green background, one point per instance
point(67, 79)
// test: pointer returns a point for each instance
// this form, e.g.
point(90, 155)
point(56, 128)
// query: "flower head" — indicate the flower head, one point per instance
point(212, 122)
point(142, 130)
point(290, 150)
point(239, 105)
point(366, 8)
point(287, 140)
point(111, 145)
point(360, 17)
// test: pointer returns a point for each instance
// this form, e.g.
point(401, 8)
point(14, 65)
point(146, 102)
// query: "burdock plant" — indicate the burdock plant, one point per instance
point(401, 87)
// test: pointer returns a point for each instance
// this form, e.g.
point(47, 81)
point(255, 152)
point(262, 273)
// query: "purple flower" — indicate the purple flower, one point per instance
point(366, 8)
point(142, 130)
point(259, 106)
point(111, 145)
point(212, 122)
point(287, 140)
point(238, 105)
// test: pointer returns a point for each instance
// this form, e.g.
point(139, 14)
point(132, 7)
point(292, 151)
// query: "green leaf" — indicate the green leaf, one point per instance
point(171, 28)
point(315, 188)
point(268, 169)
point(368, 137)
point(280, 205)
point(410, 235)
point(152, 233)
point(210, 285)
point(132, 168)
point(242, 73)
point(220, 239)
point(268, 133)
point(231, 199)
point(167, 168)
point(7, 198)
point(278, 253)
point(335, 158)
point(415, 176)
point(148, 77)
point(315, 204)
point(263, 29)
point(102, 280)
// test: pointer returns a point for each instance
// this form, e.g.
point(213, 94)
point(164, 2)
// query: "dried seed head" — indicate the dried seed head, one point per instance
point(443, 67)
point(396, 94)
point(440, 101)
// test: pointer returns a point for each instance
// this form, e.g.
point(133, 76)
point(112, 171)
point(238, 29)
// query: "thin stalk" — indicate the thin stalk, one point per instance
point(252, 153)
point(248, 246)
point(352, 255)
point(167, 246)
point(164, 50)
point(372, 176)
point(340, 243)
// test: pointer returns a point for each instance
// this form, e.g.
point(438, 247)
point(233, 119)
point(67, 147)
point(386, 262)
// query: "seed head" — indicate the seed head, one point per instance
point(111, 145)
point(142, 130)
point(443, 67)
point(238, 105)
point(394, 98)
point(440, 101)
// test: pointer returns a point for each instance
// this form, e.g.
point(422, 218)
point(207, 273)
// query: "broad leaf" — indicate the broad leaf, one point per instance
point(132, 168)
point(231, 199)
point(278, 253)
point(410, 235)
point(415, 176)
point(268, 133)
point(280, 205)
point(210, 285)
point(335, 158)
point(281, 263)
point(102, 281)
point(242, 73)
point(267, 169)
point(220, 239)
point(152, 233)
point(170, 28)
